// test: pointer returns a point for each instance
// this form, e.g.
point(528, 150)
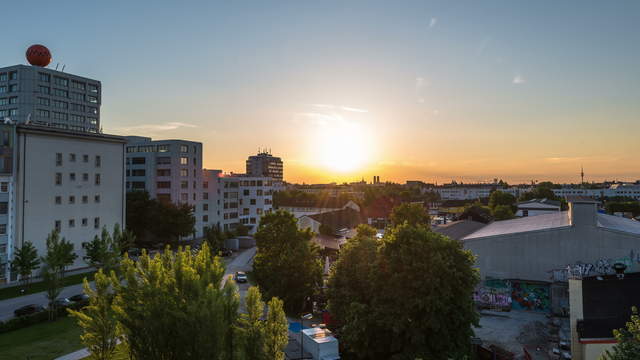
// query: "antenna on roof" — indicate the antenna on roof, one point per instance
point(63, 66)
point(57, 64)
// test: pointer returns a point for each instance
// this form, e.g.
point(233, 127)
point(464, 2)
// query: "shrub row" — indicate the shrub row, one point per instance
point(32, 319)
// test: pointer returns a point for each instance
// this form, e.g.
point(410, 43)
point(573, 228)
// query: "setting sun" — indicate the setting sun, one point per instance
point(341, 145)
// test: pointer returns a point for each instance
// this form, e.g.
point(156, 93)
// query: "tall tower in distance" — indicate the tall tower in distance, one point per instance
point(582, 174)
point(265, 164)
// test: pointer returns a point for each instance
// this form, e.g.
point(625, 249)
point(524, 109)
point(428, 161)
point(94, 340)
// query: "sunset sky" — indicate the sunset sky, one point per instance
point(341, 90)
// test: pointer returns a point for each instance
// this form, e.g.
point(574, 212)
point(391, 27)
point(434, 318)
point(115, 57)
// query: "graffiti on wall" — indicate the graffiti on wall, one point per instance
point(493, 298)
point(601, 266)
point(527, 296)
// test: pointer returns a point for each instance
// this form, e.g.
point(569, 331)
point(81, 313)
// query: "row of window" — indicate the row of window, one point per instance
point(8, 88)
point(72, 199)
point(61, 93)
point(12, 75)
point(9, 100)
point(8, 112)
point(64, 116)
point(72, 223)
point(161, 172)
point(65, 105)
point(72, 158)
point(60, 81)
point(72, 177)
point(161, 160)
point(159, 148)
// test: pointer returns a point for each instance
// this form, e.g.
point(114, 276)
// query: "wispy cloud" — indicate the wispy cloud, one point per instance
point(156, 127)
point(518, 79)
point(433, 22)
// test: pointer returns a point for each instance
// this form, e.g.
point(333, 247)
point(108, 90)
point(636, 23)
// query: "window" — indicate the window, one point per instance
point(96, 223)
point(138, 160)
point(92, 120)
point(76, 107)
point(205, 207)
point(259, 192)
point(163, 160)
point(184, 184)
point(72, 176)
point(205, 185)
point(77, 96)
point(4, 207)
point(163, 197)
point(60, 104)
point(42, 113)
point(3, 89)
point(85, 177)
point(44, 77)
point(57, 225)
point(58, 159)
point(72, 199)
point(184, 172)
point(252, 201)
point(184, 197)
point(77, 118)
point(85, 158)
point(205, 218)
point(163, 185)
point(3, 231)
point(131, 149)
point(72, 223)
point(163, 172)
point(43, 90)
point(60, 116)
point(13, 100)
point(78, 85)
point(259, 211)
point(96, 199)
point(246, 192)
point(97, 179)
point(93, 110)
point(163, 148)
point(58, 200)
point(205, 196)
point(194, 196)
point(72, 157)
point(4, 187)
point(184, 148)
point(138, 185)
point(184, 160)
point(85, 221)
point(58, 178)
point(13, 87)
point(60, 81)
point(85, 199)
point(61, 93)
point(252, 220)
point(13, 75)
point(92, 99)
point(98, 161)
point(93, 88)
point(3, 77)
point(138, 172)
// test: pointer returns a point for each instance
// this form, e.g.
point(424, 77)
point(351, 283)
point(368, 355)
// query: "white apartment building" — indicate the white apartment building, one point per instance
point(57, 179)
point(620, 189)
point(244, 200)
point(211, 199)
point(169, 170)
point(472, 192)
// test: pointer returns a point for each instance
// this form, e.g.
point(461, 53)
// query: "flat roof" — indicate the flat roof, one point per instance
point(53, 131)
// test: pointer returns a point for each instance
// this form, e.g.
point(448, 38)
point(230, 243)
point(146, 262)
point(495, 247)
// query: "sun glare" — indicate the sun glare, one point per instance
point(342, 146)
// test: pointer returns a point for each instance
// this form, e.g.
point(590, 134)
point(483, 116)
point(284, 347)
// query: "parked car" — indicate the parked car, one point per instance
point(80, 298)
point(241, 277)
point(226, 252)
point(62, 302)
point(28, 309)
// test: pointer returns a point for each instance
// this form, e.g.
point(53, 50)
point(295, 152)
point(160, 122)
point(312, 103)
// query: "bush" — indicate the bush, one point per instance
point(32, 319)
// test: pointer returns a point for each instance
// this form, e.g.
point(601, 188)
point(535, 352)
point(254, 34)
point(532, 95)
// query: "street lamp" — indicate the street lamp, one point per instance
point(302, 319)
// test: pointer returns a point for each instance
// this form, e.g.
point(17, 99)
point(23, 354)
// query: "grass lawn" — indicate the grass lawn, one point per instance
point(35, 287)
point(43, 341)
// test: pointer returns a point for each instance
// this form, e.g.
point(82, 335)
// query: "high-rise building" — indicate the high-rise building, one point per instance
point(265, 164)
point(170, 170)
point(244, 199)
point(58, 179)
point(42, 96)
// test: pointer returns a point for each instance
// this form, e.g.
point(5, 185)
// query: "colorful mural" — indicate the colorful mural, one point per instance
point(528, 296)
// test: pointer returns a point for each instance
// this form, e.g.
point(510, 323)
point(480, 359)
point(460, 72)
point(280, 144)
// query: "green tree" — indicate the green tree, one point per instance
point(286, 264)
point(252, 326)
point(139, 207)
point(276, 328)
point(103, 251)
point(476, 212)
point(214, 238)
point(326, 230)
point(543, 190)
point(171, 306)
point(60, 253)
point(25, 261)
point(98, 320)
point(124, 240)
point(501, 198)
point(502, 212)
point(171, 221)
point(628, 346)
point(414, 287)
point(412, 213)
point(53, 280)
point(241, 230)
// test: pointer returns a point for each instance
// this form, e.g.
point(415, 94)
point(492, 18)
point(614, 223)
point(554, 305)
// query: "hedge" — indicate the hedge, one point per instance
point(32, 319)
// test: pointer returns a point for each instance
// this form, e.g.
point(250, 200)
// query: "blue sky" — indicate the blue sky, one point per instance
point(467, 90)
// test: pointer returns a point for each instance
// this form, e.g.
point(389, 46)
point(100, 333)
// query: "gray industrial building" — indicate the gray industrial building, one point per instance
point(42, 96)
point(535, 256)
point(265, 164)
point(170, 170)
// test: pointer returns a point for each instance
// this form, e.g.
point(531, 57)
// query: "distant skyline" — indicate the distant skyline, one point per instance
point(410, 90)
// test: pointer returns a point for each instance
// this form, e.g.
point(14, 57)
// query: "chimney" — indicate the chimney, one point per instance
point(582, 212)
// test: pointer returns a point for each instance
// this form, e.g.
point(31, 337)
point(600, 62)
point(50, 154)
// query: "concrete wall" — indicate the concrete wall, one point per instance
point(37, 190)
